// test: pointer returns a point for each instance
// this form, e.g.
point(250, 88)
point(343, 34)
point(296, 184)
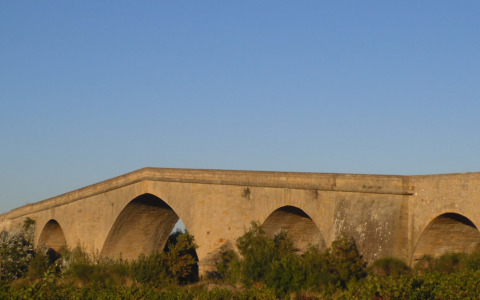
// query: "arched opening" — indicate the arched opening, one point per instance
point(449, 232)
point(143, 226)
point(52, 236)
point(300, 227)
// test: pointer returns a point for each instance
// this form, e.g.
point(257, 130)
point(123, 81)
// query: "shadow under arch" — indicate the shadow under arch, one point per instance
point(449, 232)
point(142, 227)
point(300, 227)
point(52, 236)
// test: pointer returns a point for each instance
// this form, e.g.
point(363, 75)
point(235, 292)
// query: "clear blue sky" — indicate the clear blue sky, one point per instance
point(93, 89)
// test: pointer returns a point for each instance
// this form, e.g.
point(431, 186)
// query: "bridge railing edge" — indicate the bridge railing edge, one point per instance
point(357, 183)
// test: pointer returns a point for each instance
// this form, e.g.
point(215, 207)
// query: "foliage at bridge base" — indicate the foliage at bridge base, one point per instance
point(16, 252)
point(265, 268)
point(275, 263)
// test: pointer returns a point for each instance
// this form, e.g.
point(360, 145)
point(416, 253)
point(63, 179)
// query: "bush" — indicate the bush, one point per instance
point(99, 272)
point(425, 264)
point(447, 263)
point(389, 266)
point(39, 264)
point(150, 269)
point(176, 265)
point(275, 263)
point(228, 269)
point(472, 262)
point(16, 252)
point(81, 271)
point(74, 256)
point(434, 285)
point(181, 258)
point(317, 269)
point(286, 275)
point(257, 251)
point(270, 262)
point(344, 261)
point(450, 262)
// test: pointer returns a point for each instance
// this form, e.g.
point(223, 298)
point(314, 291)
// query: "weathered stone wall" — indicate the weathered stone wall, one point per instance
point(442, 194)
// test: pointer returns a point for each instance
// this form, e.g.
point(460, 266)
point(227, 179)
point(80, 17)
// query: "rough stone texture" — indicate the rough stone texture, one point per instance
point(456, 195)
point(448, 233)
point(402, 216)
point(52, 235)
point(297, 224)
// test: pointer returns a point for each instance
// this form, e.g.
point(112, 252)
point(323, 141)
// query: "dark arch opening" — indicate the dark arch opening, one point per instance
point(448, 232)
point(299, 226)
point(143, 227)
point(52, 236)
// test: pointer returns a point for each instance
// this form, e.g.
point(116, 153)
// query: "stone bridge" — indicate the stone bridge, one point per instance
point(400, 216)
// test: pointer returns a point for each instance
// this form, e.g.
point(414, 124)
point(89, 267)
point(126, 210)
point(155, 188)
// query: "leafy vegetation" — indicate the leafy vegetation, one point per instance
point(16, 252)
point(274, 262)
point(246, 193)
point(263, 268)
point(389, 266)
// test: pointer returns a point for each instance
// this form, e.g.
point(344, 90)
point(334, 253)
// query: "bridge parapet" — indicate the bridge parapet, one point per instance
point(376, 184)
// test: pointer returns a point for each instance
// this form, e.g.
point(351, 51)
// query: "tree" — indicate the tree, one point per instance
point(345, 262)
point(181, 257)
point(16, 252)
point(272, 261)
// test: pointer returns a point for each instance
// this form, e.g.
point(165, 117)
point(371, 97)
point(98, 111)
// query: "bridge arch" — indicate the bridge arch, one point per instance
point(448, 232)
point(300, 227)
point(143, 226)
point(52, 236)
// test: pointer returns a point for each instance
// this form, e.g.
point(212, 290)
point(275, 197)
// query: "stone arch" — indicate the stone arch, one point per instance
point(449, 232)
point(299, 225)
point(143, 226)
point(52, 236)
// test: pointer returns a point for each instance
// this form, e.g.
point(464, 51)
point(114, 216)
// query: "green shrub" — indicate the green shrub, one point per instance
point(344, 261)
point(447, 263)
point(228, 269)
point(258, 252)
point(286, 275)
point(16, 252)
point(73, 256)
point(317, 270)
point(472, 261)
point(81, 271)
point(275, 263)
point(81, 268)
point(102, 273)
point(425, 264)
point(450, 262)
point(270, 262)
point(283, 243)
point(430, 285)
point(150, 269)
point(181, 258)
point(39, 264)
point(177, 265)
point(460, 285)
point(389, 266)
